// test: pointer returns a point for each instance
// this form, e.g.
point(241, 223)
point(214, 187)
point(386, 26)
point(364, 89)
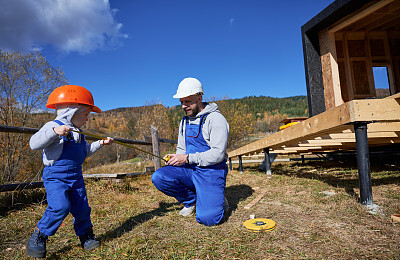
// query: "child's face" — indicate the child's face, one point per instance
point(80, 119)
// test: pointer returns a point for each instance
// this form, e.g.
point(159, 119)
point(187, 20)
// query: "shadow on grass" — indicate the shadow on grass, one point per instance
point(342, 174)
point(18, 200)
point(124, 228)
point(234, 194)
point(130, 223)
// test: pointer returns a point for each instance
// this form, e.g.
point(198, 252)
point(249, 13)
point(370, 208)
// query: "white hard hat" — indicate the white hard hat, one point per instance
point(188, 87)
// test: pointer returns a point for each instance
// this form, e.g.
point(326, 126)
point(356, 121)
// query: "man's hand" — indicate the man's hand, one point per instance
point(107, 141)
point(177, 159)
point(62, 130)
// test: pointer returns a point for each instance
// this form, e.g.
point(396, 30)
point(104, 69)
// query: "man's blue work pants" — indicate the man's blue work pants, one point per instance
point(193, 185)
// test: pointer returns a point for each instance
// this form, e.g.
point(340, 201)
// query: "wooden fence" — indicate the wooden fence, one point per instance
point(154, 141)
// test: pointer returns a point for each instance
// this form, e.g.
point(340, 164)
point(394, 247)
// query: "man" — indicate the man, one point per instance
point(196, 174)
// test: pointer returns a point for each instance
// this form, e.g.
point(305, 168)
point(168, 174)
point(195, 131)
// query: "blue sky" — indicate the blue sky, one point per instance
point(134, 53)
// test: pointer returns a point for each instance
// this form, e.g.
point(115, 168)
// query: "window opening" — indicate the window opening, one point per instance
point(381, 80)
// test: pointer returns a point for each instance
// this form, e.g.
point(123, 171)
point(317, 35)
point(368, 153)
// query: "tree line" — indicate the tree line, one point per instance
point(26, 81)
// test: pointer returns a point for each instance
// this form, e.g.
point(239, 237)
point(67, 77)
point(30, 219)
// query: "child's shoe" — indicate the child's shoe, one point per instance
point(36, 245)
point(88, 241)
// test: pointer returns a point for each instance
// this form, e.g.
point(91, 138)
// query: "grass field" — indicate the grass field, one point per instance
point(315, 206)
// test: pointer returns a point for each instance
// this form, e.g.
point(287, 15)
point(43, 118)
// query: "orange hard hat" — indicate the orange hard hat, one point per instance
point(71, 94)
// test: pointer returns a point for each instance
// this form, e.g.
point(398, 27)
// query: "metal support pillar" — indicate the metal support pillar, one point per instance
point(364, 174)
point(240, 164)
point(230, 164)
point(267, 160)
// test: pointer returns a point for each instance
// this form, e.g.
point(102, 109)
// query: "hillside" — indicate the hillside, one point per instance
point(295, 106)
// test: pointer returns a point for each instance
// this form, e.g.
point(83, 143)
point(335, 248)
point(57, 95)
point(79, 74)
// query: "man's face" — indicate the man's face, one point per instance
point(191, 104)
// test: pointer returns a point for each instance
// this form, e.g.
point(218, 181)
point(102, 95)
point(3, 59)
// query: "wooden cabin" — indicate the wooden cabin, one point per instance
point(344, 45)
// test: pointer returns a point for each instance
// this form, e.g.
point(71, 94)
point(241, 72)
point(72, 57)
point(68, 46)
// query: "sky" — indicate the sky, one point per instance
point(132, 53)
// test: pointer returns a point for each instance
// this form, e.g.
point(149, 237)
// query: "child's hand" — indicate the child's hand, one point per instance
point(107, 141)
point(62, 130)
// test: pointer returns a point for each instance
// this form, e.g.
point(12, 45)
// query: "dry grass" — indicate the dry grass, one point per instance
point(135, 221)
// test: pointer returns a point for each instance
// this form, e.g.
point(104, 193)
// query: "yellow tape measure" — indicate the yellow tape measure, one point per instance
point(259, 224)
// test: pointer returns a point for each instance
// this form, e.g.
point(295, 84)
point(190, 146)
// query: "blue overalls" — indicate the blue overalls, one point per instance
point(196, 185)
point(66, 190)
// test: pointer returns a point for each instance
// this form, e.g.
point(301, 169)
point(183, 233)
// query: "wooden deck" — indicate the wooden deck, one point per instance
point(355, 125)
point(333, 130)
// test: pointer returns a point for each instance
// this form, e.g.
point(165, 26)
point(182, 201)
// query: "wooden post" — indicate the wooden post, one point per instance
point(230, 164)
point(156, 148)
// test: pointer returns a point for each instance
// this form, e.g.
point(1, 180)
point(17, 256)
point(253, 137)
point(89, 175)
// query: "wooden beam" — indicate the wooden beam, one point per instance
point(330, 70)
point(353, 18)
point(382, 110)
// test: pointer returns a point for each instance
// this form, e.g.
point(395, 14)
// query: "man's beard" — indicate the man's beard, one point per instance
point(194, 111)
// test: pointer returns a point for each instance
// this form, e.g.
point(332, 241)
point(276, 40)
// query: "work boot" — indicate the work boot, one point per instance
point(36, 245)
point(187, 211)
point(88, 241)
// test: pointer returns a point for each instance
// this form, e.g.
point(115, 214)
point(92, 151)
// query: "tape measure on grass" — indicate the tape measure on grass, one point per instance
point(259, 224)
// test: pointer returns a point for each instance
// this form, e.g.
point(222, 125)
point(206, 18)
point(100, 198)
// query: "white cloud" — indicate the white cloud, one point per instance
point(68, 25)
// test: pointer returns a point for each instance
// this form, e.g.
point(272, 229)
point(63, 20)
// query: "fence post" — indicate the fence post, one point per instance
point(156, 148)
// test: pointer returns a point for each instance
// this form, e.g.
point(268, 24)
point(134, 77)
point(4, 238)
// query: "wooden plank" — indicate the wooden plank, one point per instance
point(395, 96)
point(113, 175)
point(329, 120)
point(254, 201)
point(336, 120)
point(354, 18)
point(330, 70)
point(382, 110)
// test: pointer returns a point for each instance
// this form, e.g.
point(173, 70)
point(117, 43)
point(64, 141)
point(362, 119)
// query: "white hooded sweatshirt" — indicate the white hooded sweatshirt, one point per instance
point(215, 132)
point(51, 143)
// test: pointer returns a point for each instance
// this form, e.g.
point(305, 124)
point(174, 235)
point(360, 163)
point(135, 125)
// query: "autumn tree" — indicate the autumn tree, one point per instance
point(26, 80)
point(270, 121)
point(241, 121)
point(157, 116)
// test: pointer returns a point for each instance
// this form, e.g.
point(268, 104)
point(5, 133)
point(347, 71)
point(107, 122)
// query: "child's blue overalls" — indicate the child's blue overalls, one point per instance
point(66, 190)
point(196, 185)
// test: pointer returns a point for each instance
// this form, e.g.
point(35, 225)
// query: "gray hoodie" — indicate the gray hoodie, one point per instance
point(52, 144)
point(215, 132)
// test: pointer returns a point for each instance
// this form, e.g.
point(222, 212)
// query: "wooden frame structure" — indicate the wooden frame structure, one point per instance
point(354, 125)
point(342, 45)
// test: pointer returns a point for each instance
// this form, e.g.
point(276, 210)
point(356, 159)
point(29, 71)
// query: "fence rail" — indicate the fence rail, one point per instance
point(21, 186)
point(34, 185)
point(27, 130)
